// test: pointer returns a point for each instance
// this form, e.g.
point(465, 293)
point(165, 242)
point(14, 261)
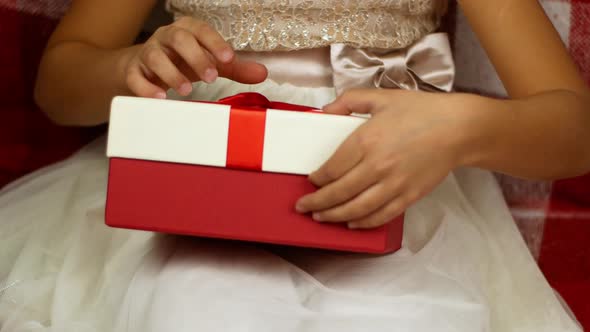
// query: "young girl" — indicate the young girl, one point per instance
point(463, 266)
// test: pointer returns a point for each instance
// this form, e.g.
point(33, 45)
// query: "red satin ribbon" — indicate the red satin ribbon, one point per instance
point(256, 101)
point(247, 122)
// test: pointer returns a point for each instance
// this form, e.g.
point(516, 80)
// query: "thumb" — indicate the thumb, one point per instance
point(248, 72)
point(360, 101)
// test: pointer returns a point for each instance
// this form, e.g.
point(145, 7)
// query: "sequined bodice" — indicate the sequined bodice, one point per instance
point(267, 25)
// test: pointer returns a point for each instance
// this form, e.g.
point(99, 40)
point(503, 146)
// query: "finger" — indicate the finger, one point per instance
point(385, 214)
point(158, 62)
point(363, 205)
point(209, 38)
point(247, 72)
point(183, 43)
point(356, 101)
point(347, 156)
point(141, 86)
point(188, 71)
point(338, 192)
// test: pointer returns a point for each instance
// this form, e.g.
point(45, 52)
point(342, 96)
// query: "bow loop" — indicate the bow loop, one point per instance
point(426, 65)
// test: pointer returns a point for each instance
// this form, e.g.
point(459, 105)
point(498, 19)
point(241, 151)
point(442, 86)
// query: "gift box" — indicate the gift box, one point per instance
point(230, 170)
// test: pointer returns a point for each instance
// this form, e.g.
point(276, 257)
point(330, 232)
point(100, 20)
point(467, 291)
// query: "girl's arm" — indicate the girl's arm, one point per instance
point(543, 132)
point(83, 65)
point(91, 57)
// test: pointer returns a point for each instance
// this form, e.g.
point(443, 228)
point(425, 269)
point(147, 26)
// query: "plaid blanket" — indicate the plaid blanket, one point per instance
point(554, 218)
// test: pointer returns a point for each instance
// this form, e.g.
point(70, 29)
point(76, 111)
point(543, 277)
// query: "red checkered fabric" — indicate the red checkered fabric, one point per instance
point(554, 218)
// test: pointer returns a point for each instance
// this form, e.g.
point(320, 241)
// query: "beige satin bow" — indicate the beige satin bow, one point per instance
point(426, 65)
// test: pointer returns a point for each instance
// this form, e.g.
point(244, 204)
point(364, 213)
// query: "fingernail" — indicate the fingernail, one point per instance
point(160, 95)
point(185, 89)
point(226, 55)
point(210, 75)
point(353, 225)
point(316, 217)
point(299, 208)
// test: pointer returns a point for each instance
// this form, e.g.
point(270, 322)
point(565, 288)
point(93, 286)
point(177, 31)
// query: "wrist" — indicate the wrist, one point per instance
point(480, 128)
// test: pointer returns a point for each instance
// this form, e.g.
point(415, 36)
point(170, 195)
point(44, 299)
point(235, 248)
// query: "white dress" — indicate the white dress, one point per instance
point(463, 265)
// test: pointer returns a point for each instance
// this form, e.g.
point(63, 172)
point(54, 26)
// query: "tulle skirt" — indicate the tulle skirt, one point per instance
point(463, 265)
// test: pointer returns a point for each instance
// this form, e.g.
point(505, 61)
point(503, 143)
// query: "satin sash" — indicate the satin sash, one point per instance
point(426, 65)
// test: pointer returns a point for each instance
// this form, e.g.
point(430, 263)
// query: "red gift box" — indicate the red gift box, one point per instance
point(228, 171)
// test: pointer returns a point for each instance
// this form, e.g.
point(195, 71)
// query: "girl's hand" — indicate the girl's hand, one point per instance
point(408, 147)
point(185, 51)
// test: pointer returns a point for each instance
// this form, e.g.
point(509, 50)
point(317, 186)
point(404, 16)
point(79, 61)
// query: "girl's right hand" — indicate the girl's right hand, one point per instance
point(183, 52)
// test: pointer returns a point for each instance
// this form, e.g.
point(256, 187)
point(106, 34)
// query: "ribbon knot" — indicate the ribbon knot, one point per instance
point(247, 126)
point(253, 101)
point(426, 65)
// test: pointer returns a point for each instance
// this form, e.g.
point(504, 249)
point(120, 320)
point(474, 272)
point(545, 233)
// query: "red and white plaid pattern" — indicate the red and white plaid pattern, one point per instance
point(45, 8)
point(579, 41)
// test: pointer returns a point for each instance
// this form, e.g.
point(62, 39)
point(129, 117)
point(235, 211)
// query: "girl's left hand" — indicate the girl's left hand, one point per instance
point(408, 147)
